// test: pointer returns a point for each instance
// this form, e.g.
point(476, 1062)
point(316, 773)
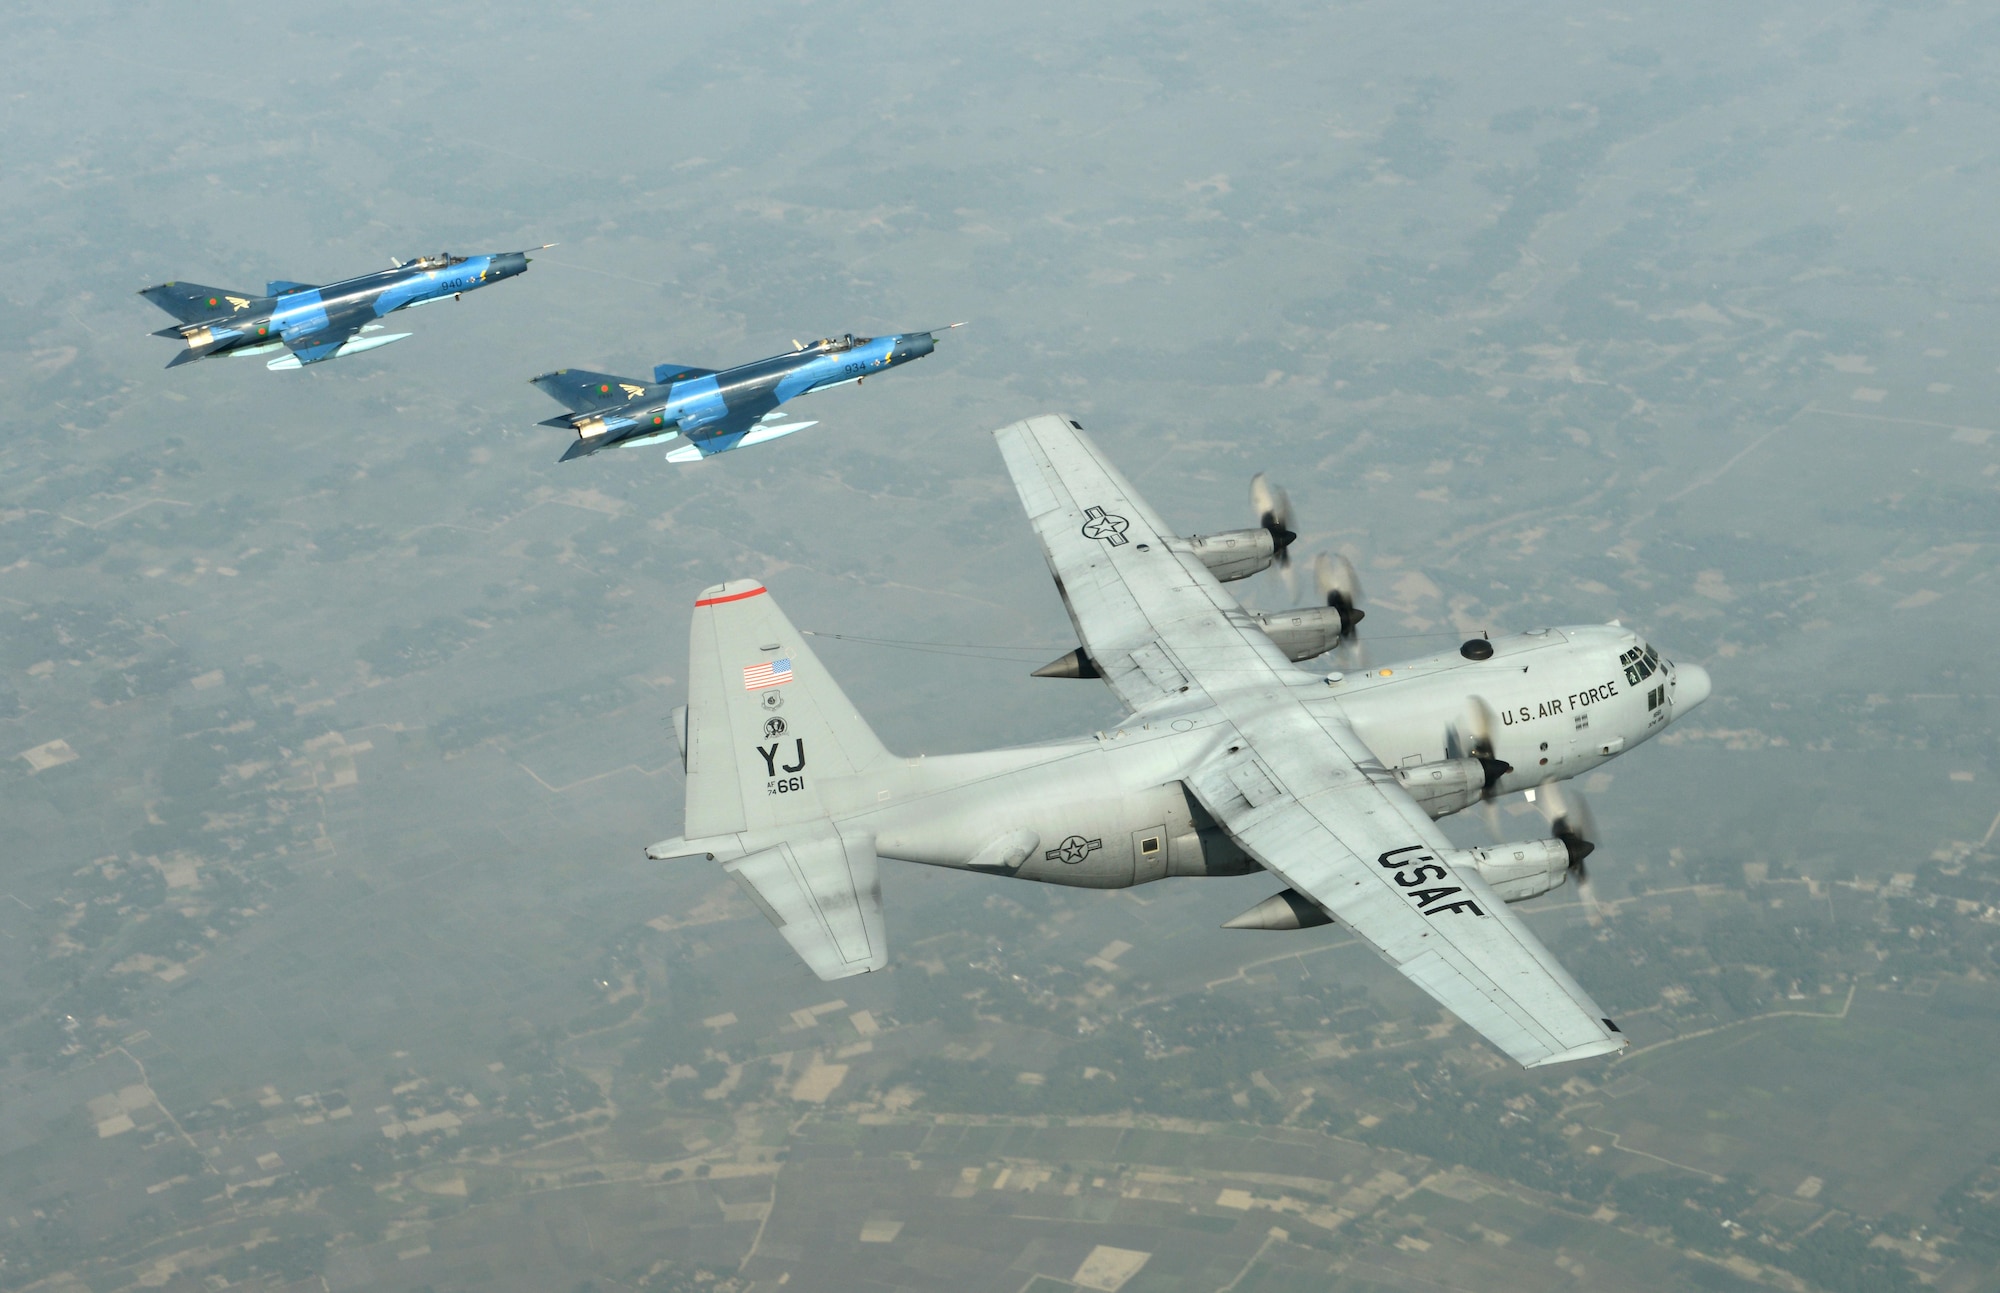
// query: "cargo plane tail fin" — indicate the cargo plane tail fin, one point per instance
point(769, 732)
point(771, 745)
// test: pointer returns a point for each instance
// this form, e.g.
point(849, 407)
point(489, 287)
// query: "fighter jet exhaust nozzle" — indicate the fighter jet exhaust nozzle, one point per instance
point(1286, 909)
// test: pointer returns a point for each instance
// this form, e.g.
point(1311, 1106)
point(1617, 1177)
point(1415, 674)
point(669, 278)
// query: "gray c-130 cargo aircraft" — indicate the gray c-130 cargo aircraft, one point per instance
point(1233, 760)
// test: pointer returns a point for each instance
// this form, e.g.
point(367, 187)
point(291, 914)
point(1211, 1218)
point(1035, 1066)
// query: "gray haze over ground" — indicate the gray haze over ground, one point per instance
point(328, 958)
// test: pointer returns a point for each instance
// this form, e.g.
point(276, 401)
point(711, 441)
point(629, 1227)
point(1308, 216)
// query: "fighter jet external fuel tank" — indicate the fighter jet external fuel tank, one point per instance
point(699, 412)
point(312, 322)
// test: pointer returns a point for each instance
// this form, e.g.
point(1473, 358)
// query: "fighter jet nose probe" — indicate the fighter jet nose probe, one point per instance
point(314, 322)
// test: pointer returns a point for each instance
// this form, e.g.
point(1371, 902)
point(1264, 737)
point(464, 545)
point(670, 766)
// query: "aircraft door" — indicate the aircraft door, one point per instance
point(1149, 854)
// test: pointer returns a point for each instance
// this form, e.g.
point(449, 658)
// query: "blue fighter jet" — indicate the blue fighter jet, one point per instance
point(311, 322)
point(699, 412)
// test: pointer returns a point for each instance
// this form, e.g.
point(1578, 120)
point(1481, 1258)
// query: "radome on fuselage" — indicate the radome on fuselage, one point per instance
point(699, 412)
point(319, 322)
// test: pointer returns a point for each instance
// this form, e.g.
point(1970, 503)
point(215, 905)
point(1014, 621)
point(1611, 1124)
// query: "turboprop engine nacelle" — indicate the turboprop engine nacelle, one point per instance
point(1441, 789)
point(1518, 871)
point(1304, 633)
point(1235, 554)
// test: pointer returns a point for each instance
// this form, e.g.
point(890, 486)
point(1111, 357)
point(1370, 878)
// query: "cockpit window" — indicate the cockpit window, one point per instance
point(443, 260)
point(1640, 663)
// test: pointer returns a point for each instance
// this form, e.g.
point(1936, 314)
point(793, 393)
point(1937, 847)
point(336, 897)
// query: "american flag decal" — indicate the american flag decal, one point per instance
point(772, 673)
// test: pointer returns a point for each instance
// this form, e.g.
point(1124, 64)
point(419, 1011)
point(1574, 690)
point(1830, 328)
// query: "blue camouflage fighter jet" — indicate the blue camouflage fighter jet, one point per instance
point(313, 322)
point(700, 412)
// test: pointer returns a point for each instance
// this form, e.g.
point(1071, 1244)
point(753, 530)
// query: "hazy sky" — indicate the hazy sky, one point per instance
point(1676, 314)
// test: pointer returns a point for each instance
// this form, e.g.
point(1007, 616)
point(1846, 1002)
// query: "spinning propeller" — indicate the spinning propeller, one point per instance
point(1570, 821)
point(1471, 737)
point(1340, 588)
point(1274, 513)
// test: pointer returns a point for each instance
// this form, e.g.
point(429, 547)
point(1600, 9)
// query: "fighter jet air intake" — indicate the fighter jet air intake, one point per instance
point(699, 412)
point(1233, 760)
point(312, 323)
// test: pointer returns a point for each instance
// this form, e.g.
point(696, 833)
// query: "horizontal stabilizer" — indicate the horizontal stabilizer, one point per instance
point(583, 391)
point(280, 286)
point(665, 373)
point(562, 422)
point(825, 897)
point(194, 302)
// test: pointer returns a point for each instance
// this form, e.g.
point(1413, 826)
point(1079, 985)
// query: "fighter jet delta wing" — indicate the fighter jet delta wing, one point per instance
point(1291, 783)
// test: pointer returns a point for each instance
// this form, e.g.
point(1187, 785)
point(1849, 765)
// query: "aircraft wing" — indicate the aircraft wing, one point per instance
point(1152, 618)
point(1293, 785)
point(321, 343)
point(1303, 796)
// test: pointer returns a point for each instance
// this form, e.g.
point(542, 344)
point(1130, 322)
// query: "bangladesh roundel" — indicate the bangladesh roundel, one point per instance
point(213, 301)
point(603, 389)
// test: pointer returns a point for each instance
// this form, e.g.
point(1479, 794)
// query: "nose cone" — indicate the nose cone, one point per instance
point(1691, 687)
point(914, 345)
point(507, 264)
